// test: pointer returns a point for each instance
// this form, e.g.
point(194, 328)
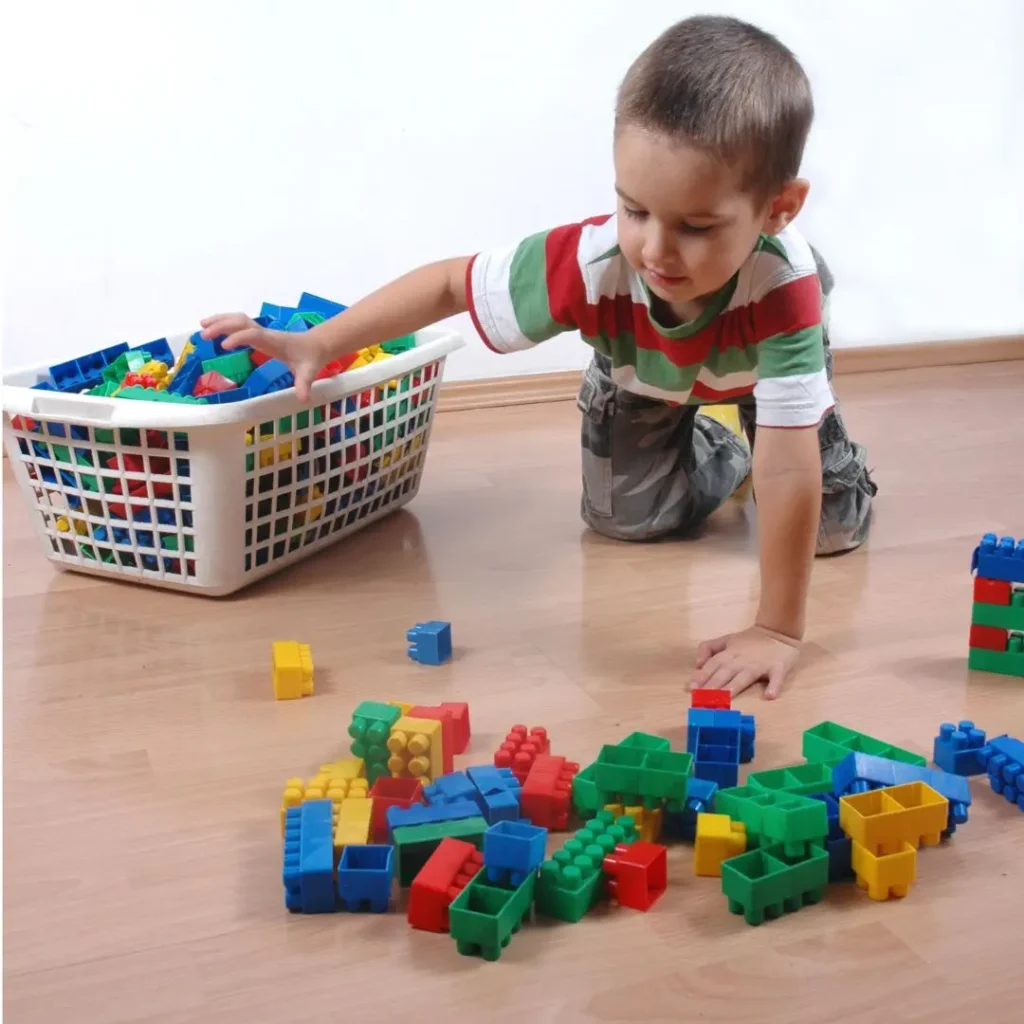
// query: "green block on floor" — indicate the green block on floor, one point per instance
point(645, 741)
point(483, 918)
point(788, 819)
point(999, 616)
point(828, 742)
point(1006, 663)
point(765, 883)
point(369, 729)
point(586, 797)
point(801, 779)
point(415, 843)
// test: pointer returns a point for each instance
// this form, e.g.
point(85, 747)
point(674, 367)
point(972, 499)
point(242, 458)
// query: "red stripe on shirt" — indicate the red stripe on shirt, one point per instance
point(567, 294)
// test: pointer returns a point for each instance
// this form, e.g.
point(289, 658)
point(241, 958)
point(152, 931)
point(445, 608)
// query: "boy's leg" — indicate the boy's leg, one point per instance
point(846, 486)
point(651, 469)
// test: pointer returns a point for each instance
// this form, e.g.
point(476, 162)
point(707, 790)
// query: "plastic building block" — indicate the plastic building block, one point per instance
point(309, 303)
point(645, 777)
point(700, 799)
point(837, 843)
point(415, 843)
point(718, 838)
point(988, 638)
point(763, 884)
point(716, 755)
point(497, 792)
point(402, 706)
point(998, 592)
point(483, 918)
point(828, 742)
point(957, 749)
point(1008, 616)
point(801, 779)
point(448, 870)
point(637, 874)
point(417, 748)
point(355, 815)
point(292, 665)
point(882, 819)
point(999, 559)
point(572, 881)
point(308, 872)
point(270, 377)
point(512, 851)
point(369, 730)
point(784, 818)
point(1007, 662)
point(185, 380)
point(334, 782)
point(648, 820)
point(434, 814)
point(235, 367)
point(857, 773)
point(364, 878)
point(519, 749)
point(396, 346)
point(547, 792)
point(212, 383)
point(705, 698)
point(87, 371)
point(884, 875)
point(1004, 762)
point(455, 787)
point(168, 396)
point(430, 643)
point(586, 797)
point(388, 792)
point(459, 712)
point(447, 730)
point(645, 741)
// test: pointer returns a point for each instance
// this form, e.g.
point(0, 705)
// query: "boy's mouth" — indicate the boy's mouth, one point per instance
point(660, 280)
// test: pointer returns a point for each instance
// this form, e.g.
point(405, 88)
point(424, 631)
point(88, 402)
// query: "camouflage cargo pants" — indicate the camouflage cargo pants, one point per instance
point(651, 469)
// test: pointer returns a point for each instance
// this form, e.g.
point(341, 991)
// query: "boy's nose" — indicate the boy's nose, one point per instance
point(658, 251)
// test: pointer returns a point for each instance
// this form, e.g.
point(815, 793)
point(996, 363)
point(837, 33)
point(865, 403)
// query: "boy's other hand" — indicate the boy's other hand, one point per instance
point(302, 353)
point(738, 660)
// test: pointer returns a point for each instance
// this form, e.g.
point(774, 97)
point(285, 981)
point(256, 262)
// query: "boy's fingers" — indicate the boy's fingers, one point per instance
point(224, 323)
point(709, 648)
point(718, 673)
point(743, 680)
point(239, 339)
point(776, 677)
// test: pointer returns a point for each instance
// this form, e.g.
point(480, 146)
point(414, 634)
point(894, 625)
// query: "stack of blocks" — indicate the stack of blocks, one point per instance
point(997, 618)
point(719, 738)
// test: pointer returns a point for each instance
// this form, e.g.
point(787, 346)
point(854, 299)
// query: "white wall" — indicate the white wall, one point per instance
point(178, 158)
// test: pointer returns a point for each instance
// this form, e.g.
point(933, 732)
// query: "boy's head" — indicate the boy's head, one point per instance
point(710, 127)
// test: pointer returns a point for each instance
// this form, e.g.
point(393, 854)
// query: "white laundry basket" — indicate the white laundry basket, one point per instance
point(209, 498)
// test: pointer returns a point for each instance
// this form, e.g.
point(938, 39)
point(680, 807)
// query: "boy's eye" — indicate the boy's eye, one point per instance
point(695, 229)
point(634, 213)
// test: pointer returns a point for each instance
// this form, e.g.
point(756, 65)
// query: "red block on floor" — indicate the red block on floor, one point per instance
point(520, 748)
point(704, 698)
point(460, 719)
point(447, 872)
point(390, 792)
point(546, 795)
point(989, 638)
point(447, 732)
point(637, 874)
point(992, 591)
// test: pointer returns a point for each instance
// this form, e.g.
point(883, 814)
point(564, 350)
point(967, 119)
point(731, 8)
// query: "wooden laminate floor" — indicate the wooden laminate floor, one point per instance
point(144, 756)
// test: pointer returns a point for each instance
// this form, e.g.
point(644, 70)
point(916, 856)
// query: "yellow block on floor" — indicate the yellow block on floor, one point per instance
point(885, 874)
point(415, 746)
point(883, 818)
point(353, 822)
point(293, 670)
point(718, 839)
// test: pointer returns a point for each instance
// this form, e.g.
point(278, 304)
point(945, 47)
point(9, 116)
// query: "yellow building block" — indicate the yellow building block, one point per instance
point(334, 782)
point(887, 874)
point(401, 704)
point(647, 820)
point(353, 822)
point(881, 819)
point(293, 670)
point(415, 745)
point(718, 839)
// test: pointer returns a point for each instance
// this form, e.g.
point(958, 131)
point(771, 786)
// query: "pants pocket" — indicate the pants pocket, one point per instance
point(596, 401)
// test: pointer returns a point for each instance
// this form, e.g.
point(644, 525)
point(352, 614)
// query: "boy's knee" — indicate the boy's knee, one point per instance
point(637, 531)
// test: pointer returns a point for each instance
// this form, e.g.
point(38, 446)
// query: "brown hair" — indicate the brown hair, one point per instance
point(728, 88)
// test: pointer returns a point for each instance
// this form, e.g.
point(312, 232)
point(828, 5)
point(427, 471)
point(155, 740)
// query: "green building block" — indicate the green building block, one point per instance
point(801, 779)
point(370, 727)
point(765, 883)
point(1000, 616)
point(104, 390)
point(635, 775)
point(789, 819)
point(125, 363)
point(586, 797)
point(236, 366)
point(572, 881)
point(399, 345)
point(415, 843)
point(142, 394)
point(829, 742)
point(1008, 663)
point(307, 317)
point(483, 918)
point(645, 741)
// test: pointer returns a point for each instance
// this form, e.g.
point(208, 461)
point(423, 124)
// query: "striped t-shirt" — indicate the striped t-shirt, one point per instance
point(761, 333)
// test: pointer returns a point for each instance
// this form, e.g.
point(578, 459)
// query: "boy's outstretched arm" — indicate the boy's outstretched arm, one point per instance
point(414, 301)
point(787, 484)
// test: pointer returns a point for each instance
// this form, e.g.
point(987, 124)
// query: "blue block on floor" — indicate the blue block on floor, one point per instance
point(512, 851)
point(1004, 762)
point(421, 814)
point(308, 872)
point(430, 643)
point(999, 559)
point(700, 799)
point(497, 792)
point(449, 789)
point(364, 878)
point(958, 747)
point(717, 755)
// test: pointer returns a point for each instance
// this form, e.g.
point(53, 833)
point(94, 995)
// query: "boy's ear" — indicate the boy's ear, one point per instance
point(786, 205)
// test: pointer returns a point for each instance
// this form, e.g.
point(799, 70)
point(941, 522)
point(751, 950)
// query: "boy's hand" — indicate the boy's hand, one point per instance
point(738, 660)
point(303, 353)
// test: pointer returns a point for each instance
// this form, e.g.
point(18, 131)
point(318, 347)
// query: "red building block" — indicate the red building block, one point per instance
point(992, 591)
point(704, 698)
point(520, 748)
point(637, 874)
point(390, 792)
point(447, 872)
point(988, 638)
point(547, 792)
point(212, 383)
point(447, 732)
point(460, 718)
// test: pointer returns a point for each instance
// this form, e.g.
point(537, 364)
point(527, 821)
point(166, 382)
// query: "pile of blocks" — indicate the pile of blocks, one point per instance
point(997, 618)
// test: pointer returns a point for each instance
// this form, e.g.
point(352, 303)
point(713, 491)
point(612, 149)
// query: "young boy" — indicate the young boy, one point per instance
point(697, 290)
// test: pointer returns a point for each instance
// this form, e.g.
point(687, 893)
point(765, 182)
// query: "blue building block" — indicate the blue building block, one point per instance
point(434, 814)
point(497, 792)
point(308, 873)
point(700, 799)
point(717, 755)
point(159, 351)
point(281, 313)
point(86, 371)
point(957, 749)
point(857, 773)
point(837, 843)
point(745, 727)
point(1004, 762)
point(513, 850)
point(309, 303)
point(364, 878)
point(999, 559)
point(748, 733)
point(452, 788)
point(430, 643)
point(187, 377)
point(272, 376)
point(43, 385)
